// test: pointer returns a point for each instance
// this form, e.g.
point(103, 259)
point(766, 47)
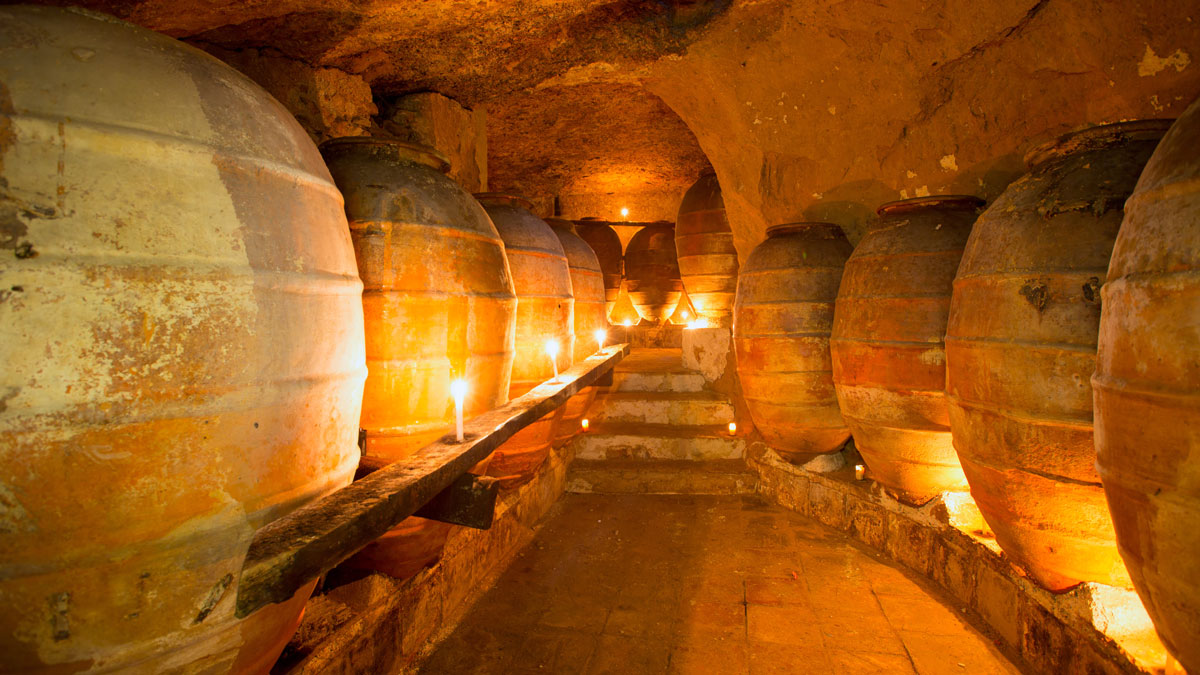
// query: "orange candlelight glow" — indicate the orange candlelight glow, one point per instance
point(583, 423)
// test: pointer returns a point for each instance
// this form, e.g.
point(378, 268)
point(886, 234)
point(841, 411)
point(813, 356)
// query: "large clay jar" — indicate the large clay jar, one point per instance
point(708, 262)
point(606, 244)
point(439, 305)
point(1021, 347)
point(182, 338)
point(545, 313)
point(1147, 388)
point(587, 284)
point(652, 272)
point(783, 315)
point(889, 359)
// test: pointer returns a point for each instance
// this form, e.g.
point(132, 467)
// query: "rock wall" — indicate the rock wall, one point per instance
point(460, 134)
point(821, 111)
point(327, 102)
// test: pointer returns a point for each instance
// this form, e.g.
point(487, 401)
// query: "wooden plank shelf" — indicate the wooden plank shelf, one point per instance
point(299, 547)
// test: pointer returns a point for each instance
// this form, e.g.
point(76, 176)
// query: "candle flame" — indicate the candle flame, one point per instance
point(552, 348)
point(624, 212)
point(458, 389)
point(698, 323)
point(584, 423)
point(600, 335)
point(627, 323)
point(733, 427)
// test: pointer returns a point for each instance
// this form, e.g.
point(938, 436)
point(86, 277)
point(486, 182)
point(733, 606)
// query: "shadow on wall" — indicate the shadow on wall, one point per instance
point(852, 206)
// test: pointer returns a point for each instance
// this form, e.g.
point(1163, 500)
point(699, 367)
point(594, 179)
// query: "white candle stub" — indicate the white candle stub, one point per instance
point(458, 389)
point(860, 471)
point(552, 350)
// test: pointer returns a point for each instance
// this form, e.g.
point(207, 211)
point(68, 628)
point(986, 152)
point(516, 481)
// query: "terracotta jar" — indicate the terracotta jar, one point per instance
point(438, 304)
point(1147, 388)
point(1021, 347)
point(545, 313)
point(587, 284)
point(783, 315)
point(183, 347)
point(889, 360)
point(708, 262)
point(652, 272)
point(606, 244)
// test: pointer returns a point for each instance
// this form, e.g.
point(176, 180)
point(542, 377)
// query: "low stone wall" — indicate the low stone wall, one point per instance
point(380, 625)
point(1090, 629)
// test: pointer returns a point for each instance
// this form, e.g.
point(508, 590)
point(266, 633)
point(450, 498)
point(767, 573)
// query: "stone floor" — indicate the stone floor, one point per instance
point(706, 584)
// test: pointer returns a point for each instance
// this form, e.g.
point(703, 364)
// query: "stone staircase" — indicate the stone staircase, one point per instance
point(658, 430)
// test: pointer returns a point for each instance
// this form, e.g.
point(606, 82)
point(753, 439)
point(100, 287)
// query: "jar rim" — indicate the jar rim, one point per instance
point(403, 150)
point(1097, 138)
point(804, 226)
point(504, 199)
point(956, 201)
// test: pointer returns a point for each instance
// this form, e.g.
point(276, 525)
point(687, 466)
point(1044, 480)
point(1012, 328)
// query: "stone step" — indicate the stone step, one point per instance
point(655, 370)
point(628, 440)
point(660, 477)
point(677, 408)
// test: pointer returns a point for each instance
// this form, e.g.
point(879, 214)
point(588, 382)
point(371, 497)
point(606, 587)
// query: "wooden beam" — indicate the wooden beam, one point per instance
point(299, 547)
point(470, 501)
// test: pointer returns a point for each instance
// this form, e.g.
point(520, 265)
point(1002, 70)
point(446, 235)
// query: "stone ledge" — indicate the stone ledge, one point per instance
point(380, 625)
point(1089, 629)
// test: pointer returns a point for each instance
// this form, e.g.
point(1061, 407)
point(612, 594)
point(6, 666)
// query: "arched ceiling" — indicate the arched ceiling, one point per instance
point(470, 50)
point(598, 147)
point(813, 109)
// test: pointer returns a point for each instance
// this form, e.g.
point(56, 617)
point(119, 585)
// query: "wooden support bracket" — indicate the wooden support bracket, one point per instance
point(299, 547)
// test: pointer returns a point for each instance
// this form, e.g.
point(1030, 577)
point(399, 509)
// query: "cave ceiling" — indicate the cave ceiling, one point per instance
point(598, 137)
point(590, 139)
point(473, 51)
point(806, 109)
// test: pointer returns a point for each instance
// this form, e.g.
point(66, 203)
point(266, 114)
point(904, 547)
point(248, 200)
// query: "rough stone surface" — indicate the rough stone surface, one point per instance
point(718, 585)
point(824, 111)
point(624, 146)
point(327, 102)
point(433, 120)
point(805, 110)
point(706, 350)
point(1090, 629)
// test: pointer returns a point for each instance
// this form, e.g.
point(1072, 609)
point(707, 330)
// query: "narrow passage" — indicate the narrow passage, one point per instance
point(706, 584)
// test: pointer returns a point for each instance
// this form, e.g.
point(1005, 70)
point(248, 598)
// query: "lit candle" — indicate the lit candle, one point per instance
point(458, 389)
point(625, 213)
point(860, 471)
point(732, 428)
point(600, 335)
point(552, 350)
point(584, 423)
